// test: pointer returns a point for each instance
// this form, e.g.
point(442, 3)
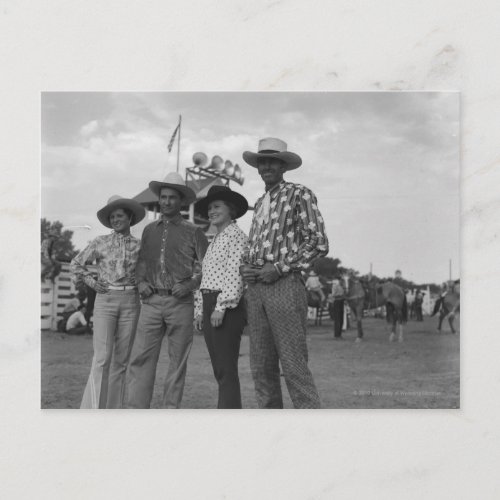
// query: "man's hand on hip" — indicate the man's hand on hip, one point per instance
point(145, 290)
point(180, 290)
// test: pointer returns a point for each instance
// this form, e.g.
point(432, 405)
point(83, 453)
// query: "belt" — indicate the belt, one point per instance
point(205, 291)
point(162, 291)
point(125, 287)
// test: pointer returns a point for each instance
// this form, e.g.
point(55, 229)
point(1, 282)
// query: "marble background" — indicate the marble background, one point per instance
point(239, 45)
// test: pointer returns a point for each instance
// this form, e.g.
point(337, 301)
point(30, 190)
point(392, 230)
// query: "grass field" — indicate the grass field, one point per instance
point(421, 372)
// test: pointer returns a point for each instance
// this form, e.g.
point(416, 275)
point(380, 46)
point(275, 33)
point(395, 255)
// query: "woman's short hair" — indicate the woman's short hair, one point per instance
point(128, 213)
point(232, 209)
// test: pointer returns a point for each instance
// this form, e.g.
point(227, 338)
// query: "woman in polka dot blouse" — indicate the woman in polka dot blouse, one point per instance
point(219, 308)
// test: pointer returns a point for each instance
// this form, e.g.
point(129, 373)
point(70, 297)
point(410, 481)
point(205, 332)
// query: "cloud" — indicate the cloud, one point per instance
point(89, 128)
point(384, 166)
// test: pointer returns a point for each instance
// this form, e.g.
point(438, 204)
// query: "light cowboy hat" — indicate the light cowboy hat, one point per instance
point(223, 193)
point(116, 202)
point(173, 180)
point(271, 147)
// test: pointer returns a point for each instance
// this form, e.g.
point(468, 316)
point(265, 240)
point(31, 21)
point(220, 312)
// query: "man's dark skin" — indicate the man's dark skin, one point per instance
point(271, 170)
point(170, 207)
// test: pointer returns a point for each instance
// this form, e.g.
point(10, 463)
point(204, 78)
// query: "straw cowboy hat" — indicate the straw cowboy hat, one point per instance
point(223, 193)
point(118, 202)
point(270, 147)
point(173, 180)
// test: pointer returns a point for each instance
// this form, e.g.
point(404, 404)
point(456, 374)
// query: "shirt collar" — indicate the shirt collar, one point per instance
point(228, 228)
point(121, 237)
point(175, 220)
point(276, 189)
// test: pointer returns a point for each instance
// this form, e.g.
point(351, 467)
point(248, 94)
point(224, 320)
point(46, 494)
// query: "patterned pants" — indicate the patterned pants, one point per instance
point(277, 316)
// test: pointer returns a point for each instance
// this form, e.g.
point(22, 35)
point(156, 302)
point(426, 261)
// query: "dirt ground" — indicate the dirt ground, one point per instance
point(421, 372)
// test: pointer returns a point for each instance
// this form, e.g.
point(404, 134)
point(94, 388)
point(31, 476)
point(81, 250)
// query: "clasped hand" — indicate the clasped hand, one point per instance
point(266, 274)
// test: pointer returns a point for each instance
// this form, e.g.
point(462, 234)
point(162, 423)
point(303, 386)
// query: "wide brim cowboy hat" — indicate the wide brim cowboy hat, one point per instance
point(271, 147)
point(223, 193)
point(173, 180)
point(116, 202)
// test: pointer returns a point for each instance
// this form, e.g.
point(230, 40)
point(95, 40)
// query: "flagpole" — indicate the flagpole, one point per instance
point(179, 142)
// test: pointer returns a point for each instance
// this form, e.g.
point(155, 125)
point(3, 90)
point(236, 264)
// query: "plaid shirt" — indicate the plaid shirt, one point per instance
point(293, 234)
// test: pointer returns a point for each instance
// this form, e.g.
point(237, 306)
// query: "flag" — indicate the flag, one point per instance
point(171, 143)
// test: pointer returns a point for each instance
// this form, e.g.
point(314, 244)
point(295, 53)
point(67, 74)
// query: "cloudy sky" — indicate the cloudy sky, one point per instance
point(384, 165)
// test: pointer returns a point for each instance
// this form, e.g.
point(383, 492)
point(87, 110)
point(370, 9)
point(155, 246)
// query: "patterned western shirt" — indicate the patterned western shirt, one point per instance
point(220, 269)
point(171, 251)
point(116, 257)
point(292, 234)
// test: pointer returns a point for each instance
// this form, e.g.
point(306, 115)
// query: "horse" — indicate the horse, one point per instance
point(396, 306)
point(355, 298)
point(450, 304)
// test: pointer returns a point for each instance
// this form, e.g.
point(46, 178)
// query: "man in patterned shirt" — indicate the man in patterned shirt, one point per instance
point(286, 235)
point(171, 248)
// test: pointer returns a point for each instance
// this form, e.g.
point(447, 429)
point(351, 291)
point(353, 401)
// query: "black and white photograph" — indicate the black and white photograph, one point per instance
point(246, 250)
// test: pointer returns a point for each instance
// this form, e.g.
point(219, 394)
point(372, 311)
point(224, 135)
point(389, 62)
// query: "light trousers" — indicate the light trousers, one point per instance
point(160, 316)
point(115, 320)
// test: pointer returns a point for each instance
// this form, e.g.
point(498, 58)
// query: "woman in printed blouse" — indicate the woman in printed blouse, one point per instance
point(219, 308)
point(117, 304)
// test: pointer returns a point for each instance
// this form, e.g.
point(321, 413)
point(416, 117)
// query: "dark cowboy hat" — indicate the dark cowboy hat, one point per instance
point(118, 202)
point(173, 180)
point(270, 147)
point(225, 194)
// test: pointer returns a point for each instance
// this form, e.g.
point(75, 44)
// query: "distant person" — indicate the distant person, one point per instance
point(167, 276)
point(71, 306)
point(313, 284)
point(50, 266)
point(419, 299)
point(219, 310)
point(117, 302)
point(337, 299)
point(439, 301)
point(398, 279)
point(287, 234)
point(76, 324)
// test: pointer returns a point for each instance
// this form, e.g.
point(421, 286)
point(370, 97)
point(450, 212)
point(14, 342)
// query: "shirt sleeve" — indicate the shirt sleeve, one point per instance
point(198, 303)
point(246, 249)
point(201, 245)
point(232, 288)
point(310, 224)
point(140, 267)
point(78, 267)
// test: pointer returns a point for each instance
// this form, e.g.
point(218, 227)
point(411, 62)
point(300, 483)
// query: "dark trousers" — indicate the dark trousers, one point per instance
point(338, 317)
point(223, 344)
point(418, 311)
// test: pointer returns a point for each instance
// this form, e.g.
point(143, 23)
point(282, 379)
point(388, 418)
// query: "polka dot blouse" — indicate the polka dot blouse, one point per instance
point(220, 269)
